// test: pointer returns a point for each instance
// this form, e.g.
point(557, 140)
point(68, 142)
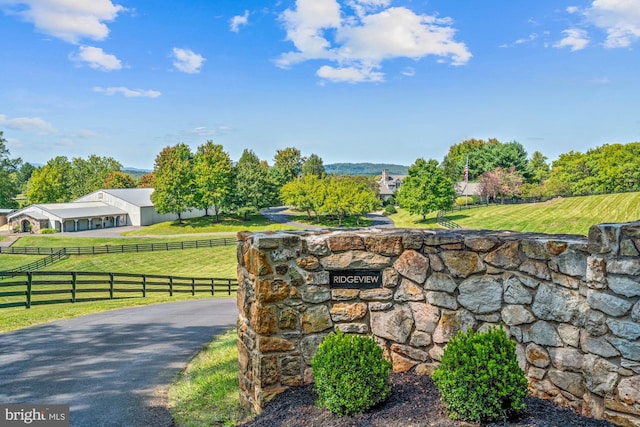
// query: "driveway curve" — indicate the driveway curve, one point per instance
point(113, 368)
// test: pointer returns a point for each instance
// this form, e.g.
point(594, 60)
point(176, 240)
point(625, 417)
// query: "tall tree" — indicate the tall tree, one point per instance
point(538, 167)
point(455, 160)
point(253, 188)
point(213, 177)
point(306, 193)
point(313, 165)
point(24, 174)
point(426, 189)
point(119, 179)
point(338, 201)
point(147, 180)
point(50, 183)
point(9, 185)
point(88, 175)
point(174, 180)
point(287, 164)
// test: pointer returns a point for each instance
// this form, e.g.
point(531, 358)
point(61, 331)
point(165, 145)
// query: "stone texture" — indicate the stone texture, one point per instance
point(355, 260)
point(310, 262)
point(384, 245)
point(629, 391)
point(288, 319)
point(554, 303)
point(440, 282)
point(412, 265)
point(627, 266)
point(376, 294)
point(345, 242)
point(344, 312)
point(390, 278)
point(315, 319)
point(516, 315)
point(451, 322)
point(537, 269)
point(596, 270)
point(629, 350)
point(263, 319)
point(394, 324)
point(569, 381)
point(572, 263)
point(481, 244)
point(425, 316)
point(506, 256)
point(623, 285)
point(515, 292)
point(344, 294)
point(597, 346)
point(408, 291)
point(420, 339)
point(543, 333)
point(315, 294)
point(635, 312)
point(624, 329)
point(271, 290)
point(480, 294)
point(309, 345)
point(380, 306)
point(537, 355)
point(353, 328)
point(566, 359)
point(274, 344)
point(609, 304)
point(462, 263)
point(442, 299)
point(600, 375)
point(535, 249)
point(570, 334)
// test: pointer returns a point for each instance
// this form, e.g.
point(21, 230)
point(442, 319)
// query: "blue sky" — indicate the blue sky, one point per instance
point(382, 81)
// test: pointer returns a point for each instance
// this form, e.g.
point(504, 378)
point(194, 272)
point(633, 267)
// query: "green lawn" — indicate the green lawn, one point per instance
point(207, 225)
point(67, 240)
point(9, 262)
point(571, 215)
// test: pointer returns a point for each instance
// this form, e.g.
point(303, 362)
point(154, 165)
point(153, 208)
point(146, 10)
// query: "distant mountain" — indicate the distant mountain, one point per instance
point(135, 172)
point(370, 169)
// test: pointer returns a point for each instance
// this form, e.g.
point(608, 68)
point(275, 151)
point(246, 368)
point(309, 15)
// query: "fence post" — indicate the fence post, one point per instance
point(170, 286)
point(73, 287)
point(110, 285)
point(29, 281)
point(229, 286)
point(213, 287)
point(193, 286)
point(144, 285)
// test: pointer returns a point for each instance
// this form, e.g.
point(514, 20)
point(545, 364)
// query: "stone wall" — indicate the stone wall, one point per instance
point(571, 303)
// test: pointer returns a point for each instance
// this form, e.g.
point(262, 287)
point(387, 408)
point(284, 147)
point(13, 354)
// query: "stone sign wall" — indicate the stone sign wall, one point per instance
point(571, 303)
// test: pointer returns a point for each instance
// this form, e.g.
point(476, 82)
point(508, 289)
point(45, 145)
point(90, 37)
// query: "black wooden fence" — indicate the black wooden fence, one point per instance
point(36, 265)
point(53, 287)
point(119, 249)
point(441, 218)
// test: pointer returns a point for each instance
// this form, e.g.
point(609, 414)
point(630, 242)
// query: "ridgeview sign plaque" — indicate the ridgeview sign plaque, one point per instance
point(355, 279)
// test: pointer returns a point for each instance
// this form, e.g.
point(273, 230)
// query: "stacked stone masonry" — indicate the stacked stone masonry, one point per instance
point(571, 303)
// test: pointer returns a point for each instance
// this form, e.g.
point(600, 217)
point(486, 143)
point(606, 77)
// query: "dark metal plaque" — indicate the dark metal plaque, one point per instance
point(355, 279)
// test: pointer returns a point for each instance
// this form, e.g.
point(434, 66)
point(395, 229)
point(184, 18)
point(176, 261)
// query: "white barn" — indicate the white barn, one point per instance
point(100, 209)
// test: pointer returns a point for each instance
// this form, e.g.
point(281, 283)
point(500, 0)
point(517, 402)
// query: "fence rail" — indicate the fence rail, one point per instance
point(25, 289)
point(118, 249)
point(441, 218)
point(36, 265)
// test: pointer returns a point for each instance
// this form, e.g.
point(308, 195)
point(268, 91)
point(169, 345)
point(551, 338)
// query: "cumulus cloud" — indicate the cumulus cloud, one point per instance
point(620, 19)
point(238, 21)
point(68, 20)
point(28, 124)
point(575, 39)
point(358, 43)
point(128, 93)
point(96, 58)
point(187, 61)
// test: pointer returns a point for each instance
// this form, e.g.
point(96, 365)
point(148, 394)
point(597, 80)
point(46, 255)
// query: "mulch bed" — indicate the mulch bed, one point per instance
point(413, 402)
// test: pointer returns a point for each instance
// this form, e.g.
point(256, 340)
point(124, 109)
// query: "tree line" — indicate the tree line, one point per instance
point(207, 179)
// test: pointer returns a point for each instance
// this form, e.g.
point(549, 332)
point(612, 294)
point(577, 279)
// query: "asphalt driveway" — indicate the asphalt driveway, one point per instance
point(112, 368)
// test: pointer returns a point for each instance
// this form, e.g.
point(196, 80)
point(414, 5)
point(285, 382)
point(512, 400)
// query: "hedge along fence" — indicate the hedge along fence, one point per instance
point(571, 303)
point(119, 249)
point(54, 287)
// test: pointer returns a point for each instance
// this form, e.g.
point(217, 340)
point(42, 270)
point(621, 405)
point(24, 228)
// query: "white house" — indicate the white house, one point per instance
point(100, 209)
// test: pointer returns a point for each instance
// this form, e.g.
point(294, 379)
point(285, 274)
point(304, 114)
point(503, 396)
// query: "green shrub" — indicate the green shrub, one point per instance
point(390, 209)
point(48, 231)
point(479, 379)
point(351, 374)
point(467, 200)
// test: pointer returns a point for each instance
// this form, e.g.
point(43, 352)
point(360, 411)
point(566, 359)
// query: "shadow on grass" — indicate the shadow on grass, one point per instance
point(231, 221)
point(332, 222)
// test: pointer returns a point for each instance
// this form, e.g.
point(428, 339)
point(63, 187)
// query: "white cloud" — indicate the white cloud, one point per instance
point(128, 93)
point(358, 44)
point(532, 37)
point(69, 20)
point(601, 81)
point(409, 72)
point(28, 124)
point(239, 20)
point(96, 58)
point(620, 19)
point(187, 60)
point(575, 39)
point(349, 74)
point(572, 9)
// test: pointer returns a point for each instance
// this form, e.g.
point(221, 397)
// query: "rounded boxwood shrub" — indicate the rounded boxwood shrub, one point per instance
point(479, 379)
point(351, 374)
point(390, 209)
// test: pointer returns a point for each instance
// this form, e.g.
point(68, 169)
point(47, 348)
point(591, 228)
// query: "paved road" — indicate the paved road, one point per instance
point(114, 367)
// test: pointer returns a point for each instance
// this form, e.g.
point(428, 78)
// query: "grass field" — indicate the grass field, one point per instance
point(207, 225)
point(58, 241)
point(571, 215)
